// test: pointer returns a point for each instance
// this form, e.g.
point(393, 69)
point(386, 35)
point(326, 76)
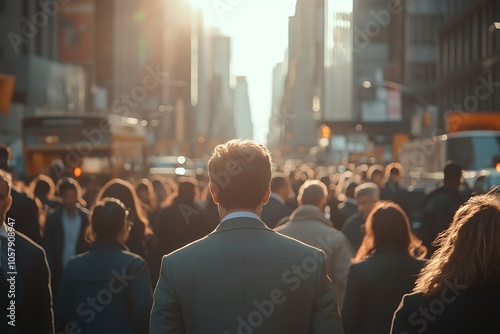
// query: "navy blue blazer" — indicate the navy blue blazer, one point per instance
point(33, 313)
point(105, 290)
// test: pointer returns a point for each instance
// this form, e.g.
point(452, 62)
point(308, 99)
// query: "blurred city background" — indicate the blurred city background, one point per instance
point(115, 86)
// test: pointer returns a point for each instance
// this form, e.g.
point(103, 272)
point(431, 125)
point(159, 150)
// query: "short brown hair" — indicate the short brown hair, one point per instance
point(240, 173)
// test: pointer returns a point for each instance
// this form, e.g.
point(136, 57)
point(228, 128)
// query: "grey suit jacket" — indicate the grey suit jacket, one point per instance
point(245, 278)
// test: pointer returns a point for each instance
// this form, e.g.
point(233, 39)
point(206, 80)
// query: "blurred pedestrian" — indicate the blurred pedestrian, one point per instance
point(440, 206)
point(386, 267)
point(107, 289)
point(309, 225)
point(276, 208)
point(367, 195)
point(459, 288)
point(124, 192)
point(393, 191)
point(64, 233)
point(29, 288)
point(24, 209)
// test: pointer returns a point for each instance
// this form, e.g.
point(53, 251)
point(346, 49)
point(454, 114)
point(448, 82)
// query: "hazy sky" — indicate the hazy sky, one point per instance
point(259, 33)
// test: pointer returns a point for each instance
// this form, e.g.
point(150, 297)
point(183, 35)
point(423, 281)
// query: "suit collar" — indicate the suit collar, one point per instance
point(241, 223)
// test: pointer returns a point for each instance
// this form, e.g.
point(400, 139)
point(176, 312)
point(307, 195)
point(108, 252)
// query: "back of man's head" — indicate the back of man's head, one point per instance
point(278, 182)
point(452, 174)
point(240, 174)
point(367, 189)
point(312, 192)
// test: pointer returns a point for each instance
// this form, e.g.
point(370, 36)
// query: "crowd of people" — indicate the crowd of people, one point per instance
point(255, 248)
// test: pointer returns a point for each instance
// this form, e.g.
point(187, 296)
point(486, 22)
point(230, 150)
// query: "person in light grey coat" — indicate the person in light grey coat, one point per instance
point(244, 277)
point(309, 225)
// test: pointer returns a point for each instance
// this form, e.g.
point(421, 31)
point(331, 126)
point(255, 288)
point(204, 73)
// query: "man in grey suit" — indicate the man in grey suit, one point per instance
point(244, 277)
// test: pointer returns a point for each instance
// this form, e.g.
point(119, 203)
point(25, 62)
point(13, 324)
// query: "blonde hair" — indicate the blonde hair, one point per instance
point(469, 251)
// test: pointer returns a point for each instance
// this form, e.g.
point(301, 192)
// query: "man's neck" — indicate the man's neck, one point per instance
point(223, 212)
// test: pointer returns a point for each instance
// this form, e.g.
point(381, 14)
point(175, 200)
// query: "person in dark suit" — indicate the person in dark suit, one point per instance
point(367, 195)
point(276, 208)
point(459, 288)
point(393, 191)
point(349, 207)
point(388, 263)
point(64, 234)
point(244, 277)
point(181, 222)
point(440, 206)
point(107, 289)
point(24, 209)
point(33, 298)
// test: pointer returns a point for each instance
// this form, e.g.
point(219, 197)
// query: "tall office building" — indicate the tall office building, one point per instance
point(242, 111)
point(469, 43)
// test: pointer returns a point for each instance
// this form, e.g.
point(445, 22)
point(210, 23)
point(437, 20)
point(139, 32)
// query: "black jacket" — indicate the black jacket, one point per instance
point(439, 208)
point(273, 211)
point(454, 310)
point(33, 308)
point(25, 212)
point(53, 243)
point(375, 287)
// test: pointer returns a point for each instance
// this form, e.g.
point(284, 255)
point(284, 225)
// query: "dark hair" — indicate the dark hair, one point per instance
point(107, 219)
point(69, 183)
point(43, 187)
point(278, 181)
point(144, 185)
point(452, 172)
point(388, 224)
point(375, 170)
point(186, 191)
point(123, 191)
point(240, 174)
point(5, 156)
point(349, 192)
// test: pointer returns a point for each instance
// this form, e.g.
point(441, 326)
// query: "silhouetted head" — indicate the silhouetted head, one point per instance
point(42, 187)
point(125, 193)
point(109, 221)
point(313, 192)
point(240, 175)
point(452, 175)
point(186, 192)
point(70, 192)
point(387, 224)
point(281, 185)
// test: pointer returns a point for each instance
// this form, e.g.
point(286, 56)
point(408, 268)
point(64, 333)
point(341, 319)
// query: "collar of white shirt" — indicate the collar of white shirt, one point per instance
point(240, 214)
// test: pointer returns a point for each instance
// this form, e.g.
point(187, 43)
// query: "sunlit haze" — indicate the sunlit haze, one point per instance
point(259, 32)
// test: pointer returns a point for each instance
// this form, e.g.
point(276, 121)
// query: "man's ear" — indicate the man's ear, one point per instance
point(211, 188)
point(265, 199)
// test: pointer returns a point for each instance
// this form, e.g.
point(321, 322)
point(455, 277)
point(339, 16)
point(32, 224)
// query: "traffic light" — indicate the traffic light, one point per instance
point(326, 132)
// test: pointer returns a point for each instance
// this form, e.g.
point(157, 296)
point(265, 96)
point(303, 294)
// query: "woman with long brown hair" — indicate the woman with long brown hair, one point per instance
point(458, 291)
point(386, 267)
point(125, 192)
